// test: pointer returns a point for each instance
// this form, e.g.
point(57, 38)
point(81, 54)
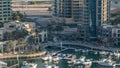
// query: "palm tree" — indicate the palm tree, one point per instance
point(22, 42)
point(10, 44)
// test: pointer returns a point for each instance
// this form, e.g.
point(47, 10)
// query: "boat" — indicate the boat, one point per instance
point(85, 63)
point(96, 52)
point(3, 64)
point(70, 62)
point(76, 50)
point(117, 65)
point(69, 55)
point(56, 59)
point(47, 58)
point(106, 63)
point(51, 66)
point(104, 53)
point(117, 54)
point(28, 65)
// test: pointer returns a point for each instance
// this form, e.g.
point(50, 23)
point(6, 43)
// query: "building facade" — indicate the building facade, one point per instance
point(83, 31)
point(5, 10)
point(93, 12)
point(109, 34)
point(62, 8)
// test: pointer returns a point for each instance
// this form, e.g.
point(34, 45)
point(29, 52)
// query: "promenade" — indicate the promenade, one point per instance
point(84, 44)
point(92, 46)
point(13, 56)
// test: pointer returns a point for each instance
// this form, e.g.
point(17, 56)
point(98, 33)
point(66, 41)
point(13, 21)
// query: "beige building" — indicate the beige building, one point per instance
point(11, 26)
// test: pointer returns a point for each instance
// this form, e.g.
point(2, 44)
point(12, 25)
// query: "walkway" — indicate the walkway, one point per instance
point(12, 56)
point(85, 44)
point(89, 45)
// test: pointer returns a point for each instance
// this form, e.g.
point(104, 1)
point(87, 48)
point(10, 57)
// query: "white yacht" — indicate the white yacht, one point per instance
point(103, 53)
point(106, 63)
point(56, 59)
point(76, 50)
point(87, 63)
point(51, 66)
point(47, 58)
point(28, 65)
point(70, 62)
point(3, 64)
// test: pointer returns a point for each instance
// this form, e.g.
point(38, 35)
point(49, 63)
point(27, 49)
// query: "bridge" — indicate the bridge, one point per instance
point(29, 0)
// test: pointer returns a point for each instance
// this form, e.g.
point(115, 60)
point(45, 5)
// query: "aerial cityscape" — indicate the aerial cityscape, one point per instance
point(59, 33)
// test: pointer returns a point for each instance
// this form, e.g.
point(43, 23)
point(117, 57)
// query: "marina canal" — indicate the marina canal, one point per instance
point(94, 55)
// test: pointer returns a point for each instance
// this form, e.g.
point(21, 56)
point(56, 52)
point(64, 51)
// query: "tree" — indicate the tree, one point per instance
point(22, 42)
point(6, 35)
point(15, 35)
point(31, 40)
point(11, 44)
point(17, 16)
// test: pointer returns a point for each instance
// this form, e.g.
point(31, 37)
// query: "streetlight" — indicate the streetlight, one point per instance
point(61, 44)
point(18, 60)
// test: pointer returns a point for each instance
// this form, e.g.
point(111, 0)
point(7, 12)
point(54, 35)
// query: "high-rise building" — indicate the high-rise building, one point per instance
point(62, 8)
point(93, 12)
point(5, 10)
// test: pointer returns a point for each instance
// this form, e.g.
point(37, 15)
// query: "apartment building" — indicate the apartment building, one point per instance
point(62, 8)
point(93, 12)
point(5, 10)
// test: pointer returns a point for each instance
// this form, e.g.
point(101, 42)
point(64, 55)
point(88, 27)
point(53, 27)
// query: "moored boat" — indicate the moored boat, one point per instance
point(83, 62)
point(28, 65)
point(106, 63)
point(51, 66)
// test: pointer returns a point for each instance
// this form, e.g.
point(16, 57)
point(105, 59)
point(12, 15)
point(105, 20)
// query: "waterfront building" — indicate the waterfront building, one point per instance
point(5, 10)
point(109, 34)
point(93, 12)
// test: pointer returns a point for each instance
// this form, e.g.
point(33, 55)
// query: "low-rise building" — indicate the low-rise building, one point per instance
point(109, 34)
point(83, 31)
point(11, 26)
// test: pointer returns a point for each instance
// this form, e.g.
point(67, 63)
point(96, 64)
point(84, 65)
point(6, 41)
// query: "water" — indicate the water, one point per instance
point(63, 63)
